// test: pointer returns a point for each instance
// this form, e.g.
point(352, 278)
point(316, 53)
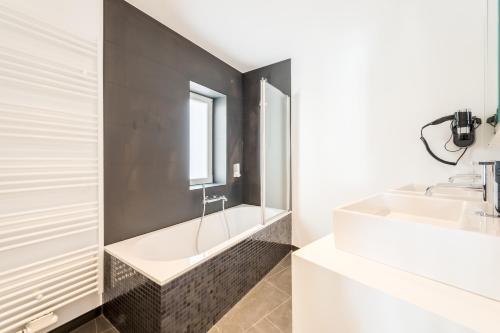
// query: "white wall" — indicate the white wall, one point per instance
point(366, 75)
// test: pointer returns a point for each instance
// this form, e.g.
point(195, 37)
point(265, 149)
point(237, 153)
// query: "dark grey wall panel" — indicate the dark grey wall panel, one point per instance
point(147, 69)
point(280, 76)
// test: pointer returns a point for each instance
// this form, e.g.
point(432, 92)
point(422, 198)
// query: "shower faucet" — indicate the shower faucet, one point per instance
point(214, 198)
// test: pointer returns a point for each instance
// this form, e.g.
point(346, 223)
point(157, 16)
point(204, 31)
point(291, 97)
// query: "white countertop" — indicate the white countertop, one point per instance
point(470, 310)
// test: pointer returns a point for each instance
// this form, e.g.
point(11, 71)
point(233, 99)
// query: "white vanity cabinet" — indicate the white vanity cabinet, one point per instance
point(334, 291)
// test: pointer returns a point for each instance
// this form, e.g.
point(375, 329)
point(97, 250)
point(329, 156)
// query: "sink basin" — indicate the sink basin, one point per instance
point(440, 192)
point(441, 239)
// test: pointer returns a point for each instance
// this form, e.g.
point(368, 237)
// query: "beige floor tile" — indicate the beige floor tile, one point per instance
point(270, 298)
point(281, 317)
point(276, 269)
point(102, 324)
point(287, 261)
point(228, 322)
point(260, 301)
point(229, 326)
point(111, 330)
point(236, 321)
point(263, 326)
point(282, 280)
point(89, 327)
point(214, 329)
point(264, 293)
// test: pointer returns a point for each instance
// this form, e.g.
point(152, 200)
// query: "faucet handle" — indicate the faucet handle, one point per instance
point(472, 176)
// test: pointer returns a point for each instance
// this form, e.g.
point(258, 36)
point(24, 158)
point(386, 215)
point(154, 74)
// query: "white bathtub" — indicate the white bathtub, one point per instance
point(164, 254)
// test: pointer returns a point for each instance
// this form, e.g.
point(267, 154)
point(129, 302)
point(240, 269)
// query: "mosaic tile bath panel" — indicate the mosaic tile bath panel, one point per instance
point(196, 300)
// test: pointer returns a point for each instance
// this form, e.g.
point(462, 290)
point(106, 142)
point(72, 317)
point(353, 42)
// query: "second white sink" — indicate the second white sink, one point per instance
point(442, 239)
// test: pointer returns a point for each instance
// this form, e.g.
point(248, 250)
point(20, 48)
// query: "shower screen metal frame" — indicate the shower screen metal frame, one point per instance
point(262, 143)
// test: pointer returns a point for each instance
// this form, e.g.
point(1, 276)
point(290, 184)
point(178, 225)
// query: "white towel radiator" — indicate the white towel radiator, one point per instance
point(50, 162)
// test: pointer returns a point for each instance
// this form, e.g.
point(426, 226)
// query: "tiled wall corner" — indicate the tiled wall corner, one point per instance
point(132, 302)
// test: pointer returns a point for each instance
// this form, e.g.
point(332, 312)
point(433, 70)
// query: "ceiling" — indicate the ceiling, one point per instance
point(244, 34)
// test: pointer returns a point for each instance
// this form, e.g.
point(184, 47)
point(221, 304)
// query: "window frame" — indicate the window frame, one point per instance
point(210, 123)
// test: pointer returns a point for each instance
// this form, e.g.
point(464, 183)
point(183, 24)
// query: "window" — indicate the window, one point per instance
point(207, 137)
point(200, 139)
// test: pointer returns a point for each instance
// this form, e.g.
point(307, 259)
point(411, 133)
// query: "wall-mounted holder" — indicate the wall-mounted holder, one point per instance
point(493, 120)
point(463, 127)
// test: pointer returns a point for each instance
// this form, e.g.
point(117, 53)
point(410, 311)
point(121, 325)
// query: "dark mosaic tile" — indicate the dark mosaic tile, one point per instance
point(196, 300)
point(132, 301)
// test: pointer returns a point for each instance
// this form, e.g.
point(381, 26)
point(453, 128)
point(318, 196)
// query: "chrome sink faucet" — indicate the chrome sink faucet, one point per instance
point(464, 186)
point(489, 187)
point(472, 176)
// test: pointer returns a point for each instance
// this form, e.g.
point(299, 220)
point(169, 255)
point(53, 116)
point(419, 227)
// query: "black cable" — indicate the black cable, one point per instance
point(465, 150)
point(428, 148)
point(451, 136)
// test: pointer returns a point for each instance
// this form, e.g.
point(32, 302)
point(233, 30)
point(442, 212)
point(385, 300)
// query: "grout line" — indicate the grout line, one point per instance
point(263, 319)
point(283, 291)
point(271, 311)
point(110, 330)
point(258, 321)
point(107, 321)
point(263, 280)
point(266, 315)
point(277, 287)
point(282, 268)
point(248, 294)
point(280, 265)
point(274, 325)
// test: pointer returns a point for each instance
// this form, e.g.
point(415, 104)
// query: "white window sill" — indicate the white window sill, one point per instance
point(197, 187)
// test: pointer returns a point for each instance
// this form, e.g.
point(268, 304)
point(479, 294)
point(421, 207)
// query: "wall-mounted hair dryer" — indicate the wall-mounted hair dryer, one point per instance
point(463, 132)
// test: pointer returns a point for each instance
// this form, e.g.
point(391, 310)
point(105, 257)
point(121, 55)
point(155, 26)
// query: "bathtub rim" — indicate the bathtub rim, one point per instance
point(162, 272)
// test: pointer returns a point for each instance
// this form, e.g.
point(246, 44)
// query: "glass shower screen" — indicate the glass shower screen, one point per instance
point(275, 151)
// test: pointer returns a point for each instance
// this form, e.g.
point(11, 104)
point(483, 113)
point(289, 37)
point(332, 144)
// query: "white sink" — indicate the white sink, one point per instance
point(442, 239)
point(440, 192)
